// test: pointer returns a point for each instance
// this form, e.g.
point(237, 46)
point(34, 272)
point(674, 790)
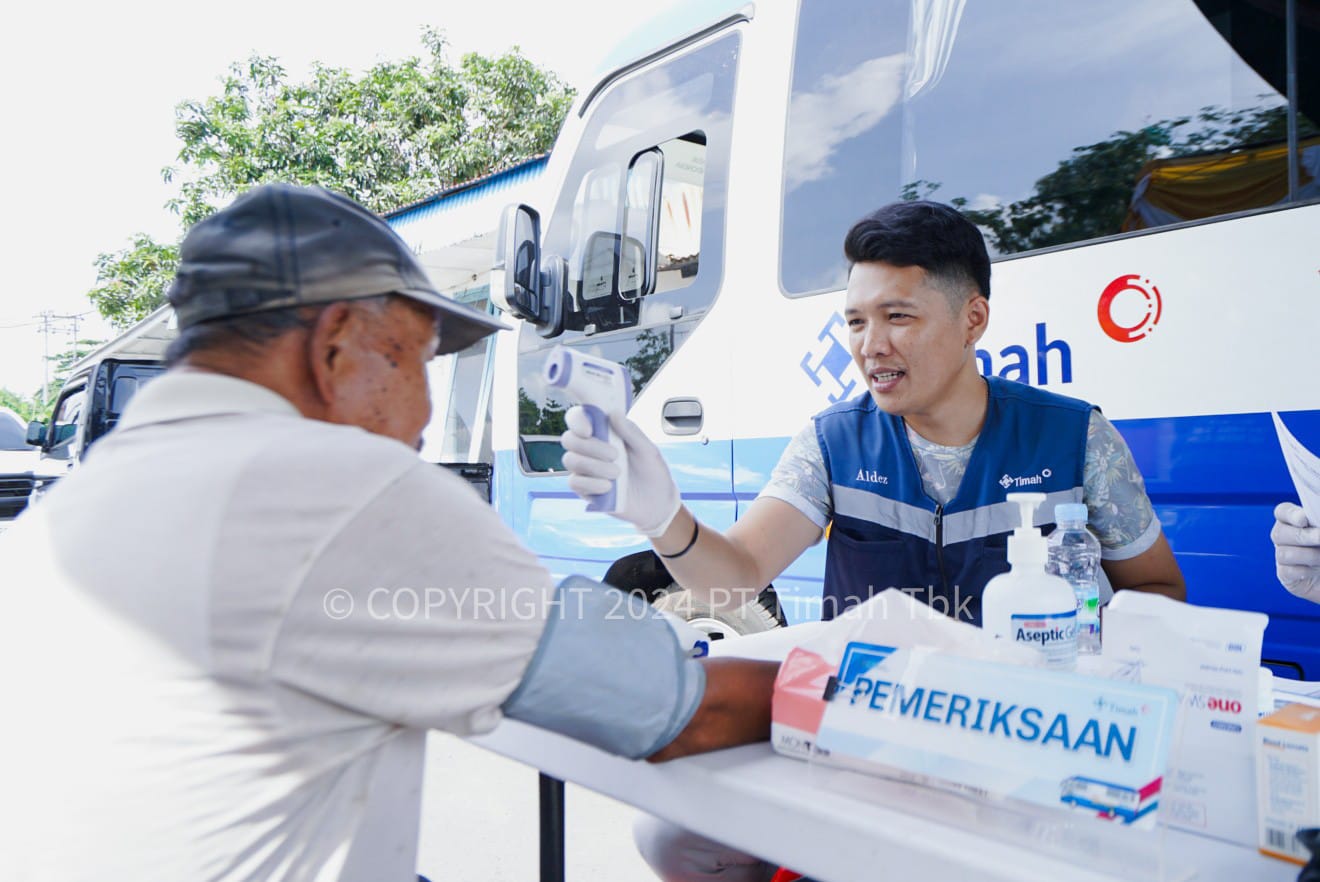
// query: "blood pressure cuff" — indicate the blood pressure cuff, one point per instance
point(610, 671)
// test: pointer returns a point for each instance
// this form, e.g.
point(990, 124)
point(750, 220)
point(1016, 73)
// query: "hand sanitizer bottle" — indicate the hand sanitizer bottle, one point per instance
point(1027, 604)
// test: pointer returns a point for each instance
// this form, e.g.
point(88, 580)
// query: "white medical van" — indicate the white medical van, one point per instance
point(1146, 180)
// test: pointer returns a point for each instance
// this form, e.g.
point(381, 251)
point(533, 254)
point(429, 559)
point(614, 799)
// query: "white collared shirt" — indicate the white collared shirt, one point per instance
point(229, 631)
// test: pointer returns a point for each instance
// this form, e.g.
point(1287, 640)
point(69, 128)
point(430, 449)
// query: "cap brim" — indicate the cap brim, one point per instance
point(460, 325)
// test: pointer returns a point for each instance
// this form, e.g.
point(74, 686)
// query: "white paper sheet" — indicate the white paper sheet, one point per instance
point(1304, 466)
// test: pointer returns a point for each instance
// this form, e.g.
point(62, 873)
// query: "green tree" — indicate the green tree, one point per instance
point(130, 283)
point(26, 408)
point(398, 133)
point(653, 348)
point(534, 420)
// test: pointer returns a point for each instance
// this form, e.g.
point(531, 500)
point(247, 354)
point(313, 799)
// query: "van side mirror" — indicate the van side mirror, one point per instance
point(36, 433)
point(517, 284)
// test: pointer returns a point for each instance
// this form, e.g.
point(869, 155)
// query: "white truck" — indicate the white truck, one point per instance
point(18, 464)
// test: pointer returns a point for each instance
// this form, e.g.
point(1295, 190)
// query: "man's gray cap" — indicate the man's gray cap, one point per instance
point(280, 245)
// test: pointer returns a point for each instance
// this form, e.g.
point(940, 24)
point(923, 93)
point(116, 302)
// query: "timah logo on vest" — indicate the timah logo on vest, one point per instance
point(871, 477)
point(1024, 480)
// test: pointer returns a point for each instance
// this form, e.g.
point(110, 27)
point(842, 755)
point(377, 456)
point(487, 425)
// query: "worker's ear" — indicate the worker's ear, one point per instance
point(331, 348)
point(976, 316)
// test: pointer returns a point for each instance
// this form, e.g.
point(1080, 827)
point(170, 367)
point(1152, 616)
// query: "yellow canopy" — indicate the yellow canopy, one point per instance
point(1206, 185)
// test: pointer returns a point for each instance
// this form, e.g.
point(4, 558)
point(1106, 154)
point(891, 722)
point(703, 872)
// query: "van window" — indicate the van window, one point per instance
point(460, 426)
point(66, 423)
point(122, 391)
point(1047, 123)
point(641, 228)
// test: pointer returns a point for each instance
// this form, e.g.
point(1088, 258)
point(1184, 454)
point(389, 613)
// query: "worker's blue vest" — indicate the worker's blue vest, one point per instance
point(887, 533)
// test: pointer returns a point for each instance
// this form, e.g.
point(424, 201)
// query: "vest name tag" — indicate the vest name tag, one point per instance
point(871, 477)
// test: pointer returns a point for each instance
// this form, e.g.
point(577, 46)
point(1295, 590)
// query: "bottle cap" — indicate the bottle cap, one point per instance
point(1070, 512)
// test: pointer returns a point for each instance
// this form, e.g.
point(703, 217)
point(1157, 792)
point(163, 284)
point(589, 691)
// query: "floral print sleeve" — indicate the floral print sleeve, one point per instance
point(800, 480)
point(1120, 512)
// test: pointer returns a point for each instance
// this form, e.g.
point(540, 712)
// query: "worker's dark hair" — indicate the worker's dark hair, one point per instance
point(930, 235)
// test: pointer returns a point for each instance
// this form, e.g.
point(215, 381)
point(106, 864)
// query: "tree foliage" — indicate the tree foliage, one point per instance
point(131, 282)
point(395, 134)
point(398, 133)
point(24, 407)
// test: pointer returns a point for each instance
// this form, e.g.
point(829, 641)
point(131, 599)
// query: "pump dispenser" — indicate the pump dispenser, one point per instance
point(1027, 604)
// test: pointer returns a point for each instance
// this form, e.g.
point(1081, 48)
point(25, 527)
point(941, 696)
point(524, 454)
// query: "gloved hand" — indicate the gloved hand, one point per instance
point(1297, 551)
point(652, 499)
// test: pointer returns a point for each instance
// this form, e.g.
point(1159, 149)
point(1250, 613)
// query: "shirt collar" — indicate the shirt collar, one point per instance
point(185, 395)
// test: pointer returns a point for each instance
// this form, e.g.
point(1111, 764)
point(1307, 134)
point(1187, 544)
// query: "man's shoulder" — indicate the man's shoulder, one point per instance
point(1010, 390)
point(306, 449)
point(851, 408)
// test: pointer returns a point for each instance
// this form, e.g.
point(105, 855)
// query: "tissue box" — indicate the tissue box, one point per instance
point(1287, 779)
point(1212, 657)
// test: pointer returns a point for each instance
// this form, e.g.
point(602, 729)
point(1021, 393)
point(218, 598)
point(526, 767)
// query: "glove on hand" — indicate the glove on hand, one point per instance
point(652, 498)
point(1297, 551)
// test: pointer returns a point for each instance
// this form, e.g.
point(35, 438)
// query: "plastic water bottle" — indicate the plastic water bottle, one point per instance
point(1074, 555)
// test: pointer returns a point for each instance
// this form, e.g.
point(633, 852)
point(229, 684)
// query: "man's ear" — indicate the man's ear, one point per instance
point(328, 348)
point(977, 316)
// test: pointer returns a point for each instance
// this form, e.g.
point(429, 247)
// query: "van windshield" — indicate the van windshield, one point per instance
point(13, 434)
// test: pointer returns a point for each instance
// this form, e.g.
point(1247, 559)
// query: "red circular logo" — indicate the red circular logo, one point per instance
point(1153, 306)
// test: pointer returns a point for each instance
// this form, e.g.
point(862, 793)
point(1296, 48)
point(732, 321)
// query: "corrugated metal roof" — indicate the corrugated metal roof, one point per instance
point(469, 191)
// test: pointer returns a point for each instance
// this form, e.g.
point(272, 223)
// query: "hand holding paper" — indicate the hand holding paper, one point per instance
point(1296, 533)
point(1297, 551)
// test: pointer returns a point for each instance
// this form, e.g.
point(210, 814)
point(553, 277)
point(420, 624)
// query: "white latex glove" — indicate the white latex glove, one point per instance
point(1296, 551)
point(652, 499)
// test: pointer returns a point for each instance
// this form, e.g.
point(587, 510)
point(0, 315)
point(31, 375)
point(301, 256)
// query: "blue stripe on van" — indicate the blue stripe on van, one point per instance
point(1214, 481)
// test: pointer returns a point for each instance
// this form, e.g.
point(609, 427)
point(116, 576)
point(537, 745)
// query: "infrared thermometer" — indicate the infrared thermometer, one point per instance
point(602, 388)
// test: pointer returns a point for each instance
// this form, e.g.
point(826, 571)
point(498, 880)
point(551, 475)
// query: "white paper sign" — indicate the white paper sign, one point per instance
point(1304, 466)
point(1051, 738)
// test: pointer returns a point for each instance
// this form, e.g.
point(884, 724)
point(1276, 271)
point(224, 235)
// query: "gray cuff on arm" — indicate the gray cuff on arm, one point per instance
point(608, 671)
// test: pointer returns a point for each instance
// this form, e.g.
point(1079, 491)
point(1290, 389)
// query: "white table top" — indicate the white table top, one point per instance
point(778, 808)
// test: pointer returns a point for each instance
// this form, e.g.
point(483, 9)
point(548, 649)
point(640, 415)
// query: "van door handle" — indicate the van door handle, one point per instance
point(681, 416)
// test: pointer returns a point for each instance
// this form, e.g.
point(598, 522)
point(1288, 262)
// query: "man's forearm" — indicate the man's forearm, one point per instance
point(714, 569)
point(1155, 570)
point(734, 710)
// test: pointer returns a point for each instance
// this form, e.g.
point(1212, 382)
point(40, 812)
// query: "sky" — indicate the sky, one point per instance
point(89, 91)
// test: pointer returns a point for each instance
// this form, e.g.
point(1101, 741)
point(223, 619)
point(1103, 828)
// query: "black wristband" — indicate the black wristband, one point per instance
point(696, 528)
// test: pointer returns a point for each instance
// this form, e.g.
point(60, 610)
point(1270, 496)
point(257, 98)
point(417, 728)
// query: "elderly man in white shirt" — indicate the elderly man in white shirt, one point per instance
point(238, 618)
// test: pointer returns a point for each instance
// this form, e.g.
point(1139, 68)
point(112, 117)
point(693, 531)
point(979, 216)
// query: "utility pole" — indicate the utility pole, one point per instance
point(73, 330)
point(46, 316)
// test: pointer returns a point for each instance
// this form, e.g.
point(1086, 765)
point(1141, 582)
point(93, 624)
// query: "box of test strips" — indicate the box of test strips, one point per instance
point(1287, 779)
